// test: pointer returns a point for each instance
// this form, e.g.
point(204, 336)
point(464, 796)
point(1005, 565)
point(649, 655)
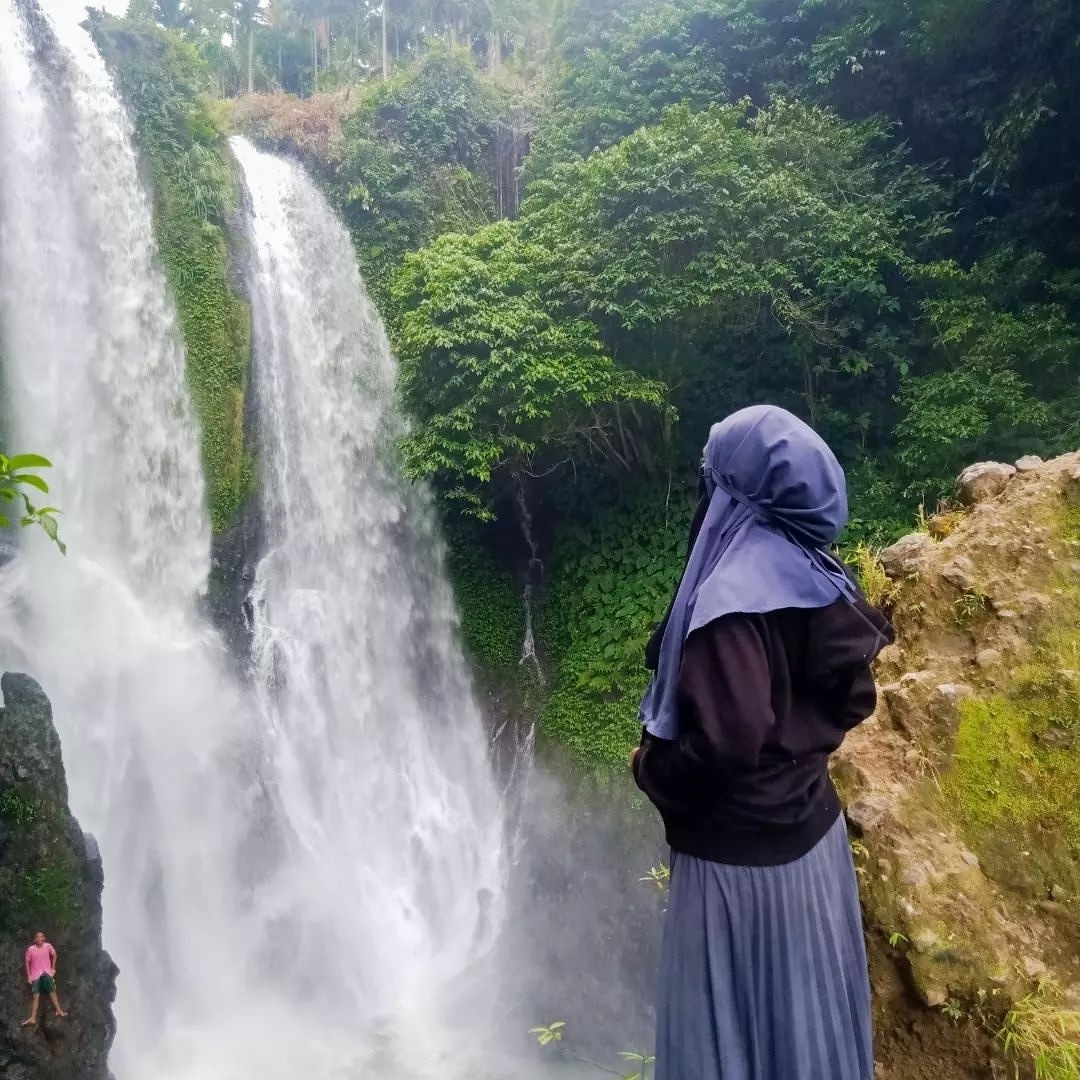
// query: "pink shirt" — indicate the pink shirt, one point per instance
point(40, 961)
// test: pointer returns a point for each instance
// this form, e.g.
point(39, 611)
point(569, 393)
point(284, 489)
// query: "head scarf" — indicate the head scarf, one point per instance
point(774, 498)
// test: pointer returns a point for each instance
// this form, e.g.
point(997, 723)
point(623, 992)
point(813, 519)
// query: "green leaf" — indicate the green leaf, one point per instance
point(32, 480)
point(28, 461)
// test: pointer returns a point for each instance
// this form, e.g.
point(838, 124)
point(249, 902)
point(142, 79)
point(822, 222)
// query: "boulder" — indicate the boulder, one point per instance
point(50, 879)
point(905, 557)
point(1029, 463)
point(983, 481)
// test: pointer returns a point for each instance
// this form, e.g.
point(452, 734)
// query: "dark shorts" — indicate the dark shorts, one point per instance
point(44, 985)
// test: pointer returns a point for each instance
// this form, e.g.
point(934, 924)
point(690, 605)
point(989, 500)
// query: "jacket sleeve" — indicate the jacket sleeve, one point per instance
point(725, 714)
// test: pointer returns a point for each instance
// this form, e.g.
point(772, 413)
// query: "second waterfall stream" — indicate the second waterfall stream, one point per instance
point(382, 893)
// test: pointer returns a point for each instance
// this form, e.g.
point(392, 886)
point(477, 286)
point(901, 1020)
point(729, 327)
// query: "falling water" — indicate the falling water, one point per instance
point(94, 372)
point(532, 573)
point(304, 877)
point(382, 785)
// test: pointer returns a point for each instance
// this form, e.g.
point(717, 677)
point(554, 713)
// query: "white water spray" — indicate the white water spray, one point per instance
point(303, 880)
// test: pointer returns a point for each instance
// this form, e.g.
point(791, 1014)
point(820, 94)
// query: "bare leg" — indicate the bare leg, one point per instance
point(56, 1004)
point(33, 1012)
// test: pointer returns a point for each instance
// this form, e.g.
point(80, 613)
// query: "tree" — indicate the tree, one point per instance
point(774, 243)
point(499, 383)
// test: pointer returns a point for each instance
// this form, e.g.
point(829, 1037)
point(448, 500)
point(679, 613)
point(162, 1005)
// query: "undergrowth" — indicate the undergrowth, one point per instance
point(878, 587)
point(1039, 1030)
point(489, 603)
point(612, 576)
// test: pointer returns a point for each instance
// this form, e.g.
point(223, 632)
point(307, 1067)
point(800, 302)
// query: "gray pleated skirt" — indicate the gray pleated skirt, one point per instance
point(763, 973)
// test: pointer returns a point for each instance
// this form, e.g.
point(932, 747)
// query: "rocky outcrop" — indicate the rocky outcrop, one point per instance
point(50, 880)
point(964, 788)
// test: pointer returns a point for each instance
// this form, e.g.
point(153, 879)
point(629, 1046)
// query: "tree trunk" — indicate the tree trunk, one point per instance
point(385, 43)
point(251, 57)
point(494, 51)
point(315, 57)
point(280, 65)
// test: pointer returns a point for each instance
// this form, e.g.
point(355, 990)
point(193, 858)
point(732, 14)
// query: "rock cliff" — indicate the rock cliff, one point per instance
point(50, 880)
point(964, 788)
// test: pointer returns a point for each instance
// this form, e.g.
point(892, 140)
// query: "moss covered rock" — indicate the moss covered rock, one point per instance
point(50, 880)
point(965, 787)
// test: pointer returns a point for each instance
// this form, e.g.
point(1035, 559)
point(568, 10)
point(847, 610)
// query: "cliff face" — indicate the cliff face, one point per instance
point(50, 880)
point(964, 789)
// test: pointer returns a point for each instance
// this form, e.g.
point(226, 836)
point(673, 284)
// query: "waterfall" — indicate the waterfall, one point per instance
point(382, 787)
point(533, 573)
point(94, 374)
point(304, 872)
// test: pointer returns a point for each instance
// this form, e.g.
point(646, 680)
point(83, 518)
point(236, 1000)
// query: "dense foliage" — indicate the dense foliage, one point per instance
point(596, 226)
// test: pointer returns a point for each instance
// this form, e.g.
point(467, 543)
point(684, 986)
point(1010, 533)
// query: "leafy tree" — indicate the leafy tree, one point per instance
point(498, 383)
point(416, 158)
point(623, 63)
point(777, 243)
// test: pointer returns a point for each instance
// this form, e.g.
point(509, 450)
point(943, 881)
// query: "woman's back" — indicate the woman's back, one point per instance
point(763, 700)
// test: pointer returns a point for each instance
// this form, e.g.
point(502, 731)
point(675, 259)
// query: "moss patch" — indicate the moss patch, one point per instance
point(216, 327)
point(17, 809)
point(47, 894)
point(1015, 777)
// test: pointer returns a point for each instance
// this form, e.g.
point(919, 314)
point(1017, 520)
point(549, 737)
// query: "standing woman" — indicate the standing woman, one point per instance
point(760, 668)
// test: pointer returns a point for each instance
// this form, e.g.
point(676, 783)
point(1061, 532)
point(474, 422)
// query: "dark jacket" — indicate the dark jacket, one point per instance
point(763, 701)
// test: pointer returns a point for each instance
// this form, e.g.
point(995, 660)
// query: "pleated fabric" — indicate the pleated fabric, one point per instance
point(763, 972)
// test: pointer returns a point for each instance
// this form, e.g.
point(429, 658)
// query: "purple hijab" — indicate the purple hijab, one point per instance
point(775, 499)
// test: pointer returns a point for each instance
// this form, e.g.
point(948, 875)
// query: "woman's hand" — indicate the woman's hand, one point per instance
point(633, 756)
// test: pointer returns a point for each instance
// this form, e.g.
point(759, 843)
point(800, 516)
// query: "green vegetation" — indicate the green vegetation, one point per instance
point(554, 1035)
point(47, 894)
point(1038, 1029)
point(492, 618)
point(17, 809)
point(865, 562)
point(1014, 782)
point(18, 475)
point(413, 161)
point(969, 607)
point(164, 84)
point(612, 575)
point(594, 227)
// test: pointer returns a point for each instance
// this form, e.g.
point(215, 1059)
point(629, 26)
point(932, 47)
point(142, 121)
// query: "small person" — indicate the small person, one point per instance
point(41, 974)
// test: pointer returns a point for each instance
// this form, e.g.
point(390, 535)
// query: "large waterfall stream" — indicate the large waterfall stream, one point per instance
point(305, 870)
point(392, 835)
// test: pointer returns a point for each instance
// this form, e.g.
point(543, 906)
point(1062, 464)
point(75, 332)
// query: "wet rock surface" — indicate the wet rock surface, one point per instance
point(50, 880)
